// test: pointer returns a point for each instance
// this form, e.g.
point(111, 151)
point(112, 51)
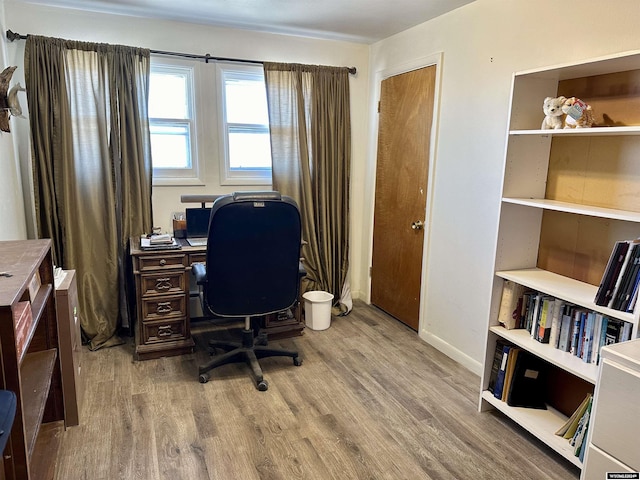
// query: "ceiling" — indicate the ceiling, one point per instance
point(362, 21)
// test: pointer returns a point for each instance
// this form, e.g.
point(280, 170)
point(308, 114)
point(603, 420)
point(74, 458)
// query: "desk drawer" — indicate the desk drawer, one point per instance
point(598, 463)
point(163, 331)
point(162, 261)
point(163, 283)
point(164, 307)
point(197, 258)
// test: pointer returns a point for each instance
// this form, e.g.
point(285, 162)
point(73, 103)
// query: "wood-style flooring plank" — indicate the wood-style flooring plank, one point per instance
point(370, 401)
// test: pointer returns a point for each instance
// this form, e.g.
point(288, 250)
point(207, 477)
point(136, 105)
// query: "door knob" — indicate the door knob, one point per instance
point(417, 225)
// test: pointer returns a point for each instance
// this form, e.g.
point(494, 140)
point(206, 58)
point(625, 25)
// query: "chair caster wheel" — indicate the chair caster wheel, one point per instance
point(203, 378)
point(212, 351)
point(297, 361)
point(262, 385)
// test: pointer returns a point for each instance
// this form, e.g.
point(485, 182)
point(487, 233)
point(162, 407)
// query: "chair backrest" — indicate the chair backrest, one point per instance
point(253, 254)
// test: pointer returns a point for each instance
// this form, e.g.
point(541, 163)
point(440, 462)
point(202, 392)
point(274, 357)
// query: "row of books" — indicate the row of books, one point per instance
point(576, 427)
point(565, 326)
point(618, 288)
point(517, 377)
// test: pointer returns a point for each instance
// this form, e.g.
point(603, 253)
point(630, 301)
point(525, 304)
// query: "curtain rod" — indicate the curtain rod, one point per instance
point(207, 58)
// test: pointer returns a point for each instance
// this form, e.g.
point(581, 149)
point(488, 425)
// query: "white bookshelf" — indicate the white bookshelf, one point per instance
point(567, 196)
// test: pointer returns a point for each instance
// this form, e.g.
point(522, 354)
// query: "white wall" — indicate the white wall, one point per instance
point(482, 44)
point(223, 42)
point(11, 204)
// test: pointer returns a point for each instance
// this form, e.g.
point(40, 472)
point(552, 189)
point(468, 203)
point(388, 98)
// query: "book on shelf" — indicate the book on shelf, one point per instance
point(544, 322)
point(580, 435)
point(556, 321)
point(495, 365)
point(510, 304)
point(564, 337)
point(587, 337)
point(618, 288)
point(499, 385)
point(625, 280)
point(514, 352)
point(597, 332)
point(535, 314)
point(569, 427)
point(611, 272)
point(527, 383)
point(576, 326)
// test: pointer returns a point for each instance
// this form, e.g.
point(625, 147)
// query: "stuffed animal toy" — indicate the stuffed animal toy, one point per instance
point(579, 114)
point(552, 108)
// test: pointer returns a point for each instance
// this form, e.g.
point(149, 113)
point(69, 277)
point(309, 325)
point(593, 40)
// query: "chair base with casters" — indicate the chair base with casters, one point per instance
point(249, 351)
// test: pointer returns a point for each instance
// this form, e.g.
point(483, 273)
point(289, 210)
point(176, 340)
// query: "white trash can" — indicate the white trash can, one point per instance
point(317, 309)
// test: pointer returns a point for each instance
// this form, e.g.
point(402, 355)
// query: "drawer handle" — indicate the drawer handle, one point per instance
point(163, 262)
point(165, 331)
point(163, 307)
point(163, 284)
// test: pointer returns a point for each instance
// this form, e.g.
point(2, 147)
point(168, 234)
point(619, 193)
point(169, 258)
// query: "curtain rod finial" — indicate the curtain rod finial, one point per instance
point(14, 36)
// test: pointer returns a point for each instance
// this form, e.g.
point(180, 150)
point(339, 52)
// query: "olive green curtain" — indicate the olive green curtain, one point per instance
point(309, 120)
point(92, 167)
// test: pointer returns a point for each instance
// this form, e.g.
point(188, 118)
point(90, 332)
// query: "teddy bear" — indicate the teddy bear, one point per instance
point(579, 114)
point(552, 108)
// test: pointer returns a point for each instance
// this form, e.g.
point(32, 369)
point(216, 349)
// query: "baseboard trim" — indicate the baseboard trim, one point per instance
point(453, 353)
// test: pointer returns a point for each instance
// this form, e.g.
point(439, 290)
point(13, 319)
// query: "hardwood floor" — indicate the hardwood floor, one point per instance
point(371, 401)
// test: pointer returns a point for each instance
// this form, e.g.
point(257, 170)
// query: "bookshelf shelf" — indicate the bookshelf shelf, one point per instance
point(581, 132)
point(559, 286)
point(568, 196)
point(541, 423)
point(576, 208)
point(568, 362)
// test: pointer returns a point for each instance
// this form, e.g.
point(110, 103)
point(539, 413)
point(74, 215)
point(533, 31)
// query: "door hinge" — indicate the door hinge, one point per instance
point(370, 270)
point(378, 106)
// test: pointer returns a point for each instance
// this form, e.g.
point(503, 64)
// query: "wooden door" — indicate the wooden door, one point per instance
point(404, 133)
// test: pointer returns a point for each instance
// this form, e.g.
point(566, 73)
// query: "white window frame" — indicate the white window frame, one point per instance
point(180, 176)
point(227, 176)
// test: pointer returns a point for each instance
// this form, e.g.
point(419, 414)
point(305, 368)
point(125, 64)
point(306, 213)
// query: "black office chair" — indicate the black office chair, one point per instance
point(252, 269)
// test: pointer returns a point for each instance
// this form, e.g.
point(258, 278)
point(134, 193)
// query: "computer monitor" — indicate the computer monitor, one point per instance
point(198, 222)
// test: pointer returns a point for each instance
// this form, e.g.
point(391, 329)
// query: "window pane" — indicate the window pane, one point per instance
point(168, 95)
point(249, 150)
point(246, 100)
point(170, 146)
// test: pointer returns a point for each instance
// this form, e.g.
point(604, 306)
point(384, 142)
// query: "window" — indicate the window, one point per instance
point(245, 147)
point(172, 122)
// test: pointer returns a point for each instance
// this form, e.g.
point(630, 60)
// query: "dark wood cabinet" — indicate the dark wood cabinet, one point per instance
point(30, 358)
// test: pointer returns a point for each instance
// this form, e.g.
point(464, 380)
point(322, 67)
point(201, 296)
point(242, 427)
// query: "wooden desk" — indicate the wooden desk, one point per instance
point(162, 279)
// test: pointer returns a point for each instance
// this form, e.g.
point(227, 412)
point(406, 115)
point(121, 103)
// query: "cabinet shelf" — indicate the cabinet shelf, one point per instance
point(541, 423)
point(564, 360)
point(568, 289)
point(37, 371)
point(575, 208)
